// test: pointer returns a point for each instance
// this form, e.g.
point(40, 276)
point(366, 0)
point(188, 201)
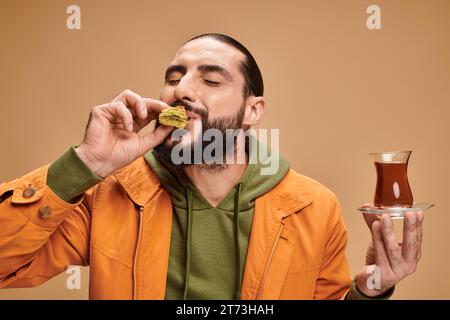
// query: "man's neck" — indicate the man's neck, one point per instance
point(214, 184)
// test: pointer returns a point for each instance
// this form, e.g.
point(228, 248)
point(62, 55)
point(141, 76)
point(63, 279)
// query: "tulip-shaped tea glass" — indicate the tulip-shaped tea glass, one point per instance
point(393, 193)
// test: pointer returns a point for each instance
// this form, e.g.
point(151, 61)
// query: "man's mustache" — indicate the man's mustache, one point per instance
point(189, 107)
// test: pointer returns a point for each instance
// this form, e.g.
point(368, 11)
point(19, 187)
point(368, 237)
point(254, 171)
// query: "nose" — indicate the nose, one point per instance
point(184, 90)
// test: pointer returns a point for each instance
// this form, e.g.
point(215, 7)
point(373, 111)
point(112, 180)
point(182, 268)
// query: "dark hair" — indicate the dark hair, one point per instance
point(254, 84)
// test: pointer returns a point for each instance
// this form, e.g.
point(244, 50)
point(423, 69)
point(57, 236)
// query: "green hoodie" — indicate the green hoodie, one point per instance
point(209, 244)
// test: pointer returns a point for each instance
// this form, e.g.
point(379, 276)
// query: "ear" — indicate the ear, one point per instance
point(254, 111)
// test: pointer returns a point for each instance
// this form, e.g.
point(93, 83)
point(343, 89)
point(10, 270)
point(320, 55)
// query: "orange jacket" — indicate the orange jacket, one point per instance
point(296, 248)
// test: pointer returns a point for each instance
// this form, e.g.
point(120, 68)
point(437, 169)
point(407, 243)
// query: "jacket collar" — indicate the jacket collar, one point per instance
point(139, 181)
point(141, 184)
point(288, 197)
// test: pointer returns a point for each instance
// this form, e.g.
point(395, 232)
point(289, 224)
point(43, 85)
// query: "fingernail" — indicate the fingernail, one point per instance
point(143, 109)
point(386, 221)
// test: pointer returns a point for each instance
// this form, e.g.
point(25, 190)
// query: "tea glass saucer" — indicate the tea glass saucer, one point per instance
point(396, 212)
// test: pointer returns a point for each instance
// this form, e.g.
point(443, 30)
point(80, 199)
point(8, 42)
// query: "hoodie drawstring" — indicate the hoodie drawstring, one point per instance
point(188, 243)
point(237, 242)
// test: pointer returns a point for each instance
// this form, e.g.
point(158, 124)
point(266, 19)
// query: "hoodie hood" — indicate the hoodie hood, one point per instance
point(241, 197)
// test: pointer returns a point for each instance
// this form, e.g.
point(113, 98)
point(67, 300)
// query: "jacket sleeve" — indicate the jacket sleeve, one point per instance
point(40, 233)
point(334, 281)
point(334, 278)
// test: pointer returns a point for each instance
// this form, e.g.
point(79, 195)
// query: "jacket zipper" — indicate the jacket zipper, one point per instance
point(266, 270)
point(141, 210)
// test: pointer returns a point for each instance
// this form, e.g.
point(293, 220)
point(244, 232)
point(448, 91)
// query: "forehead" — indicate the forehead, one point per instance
point(209, 51)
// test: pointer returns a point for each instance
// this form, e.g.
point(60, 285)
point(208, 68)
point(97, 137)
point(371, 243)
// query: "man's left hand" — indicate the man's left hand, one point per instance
point(395, 260)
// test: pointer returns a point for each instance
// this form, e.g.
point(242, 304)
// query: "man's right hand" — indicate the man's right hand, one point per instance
point(111, 140)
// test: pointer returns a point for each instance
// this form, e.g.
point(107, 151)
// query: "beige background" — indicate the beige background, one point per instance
point(335, 89)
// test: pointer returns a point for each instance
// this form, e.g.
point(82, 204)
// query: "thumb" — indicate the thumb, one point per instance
point(156, 137)
point(369, 217)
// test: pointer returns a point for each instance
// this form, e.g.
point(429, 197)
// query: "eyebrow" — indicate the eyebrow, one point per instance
point(204, 68)
point(175, 68)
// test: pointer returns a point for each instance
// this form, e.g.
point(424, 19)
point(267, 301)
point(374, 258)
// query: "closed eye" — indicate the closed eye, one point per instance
point(212, 83)
point(173, 82)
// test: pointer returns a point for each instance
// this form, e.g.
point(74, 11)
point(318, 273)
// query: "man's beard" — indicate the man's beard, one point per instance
point(164, 150)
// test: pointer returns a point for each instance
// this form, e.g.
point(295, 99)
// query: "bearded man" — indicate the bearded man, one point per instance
point(150, 227)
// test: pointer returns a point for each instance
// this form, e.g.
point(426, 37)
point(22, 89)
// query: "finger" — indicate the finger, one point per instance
point(410, 247)
point(420, 217)
point(393, 249)
point(134, 102)
point(156, 137)
point(370, 219)
point(155, 106)
point(370, 254)
point(118, 111)
point(381, 257)
point(137, 103)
